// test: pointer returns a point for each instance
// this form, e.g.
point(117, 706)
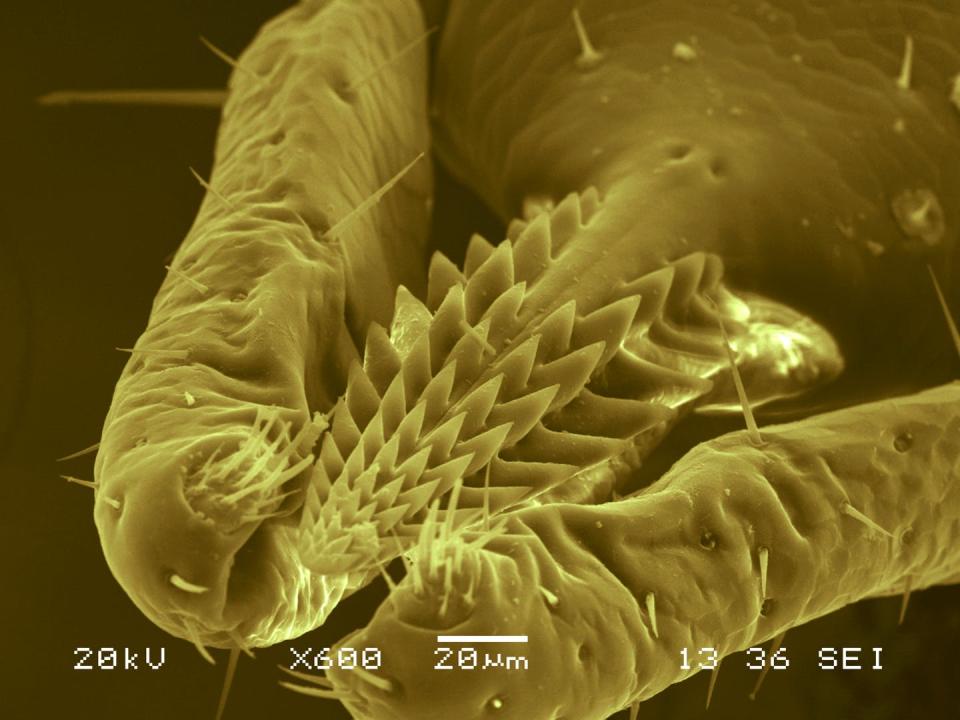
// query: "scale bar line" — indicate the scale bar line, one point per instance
point(482, 638)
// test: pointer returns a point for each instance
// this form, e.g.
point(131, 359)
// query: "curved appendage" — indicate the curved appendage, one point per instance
point(212, 430)
point(735, 544)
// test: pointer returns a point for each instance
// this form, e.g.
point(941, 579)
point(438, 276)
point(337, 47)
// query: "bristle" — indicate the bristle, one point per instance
point(195, 284)
point(247, 485)
point(425, 547)
point(413, 568)
point(589, 56)
point(479, 542)
point(391, 585)
point(80, 453)
point(391, 60)
point(651, 605)
point(240, 643)
point(368, 677)
point(303, 223)
point(774, 647)
point(904, 79)
point(448, 529)
point(231, 61)
point(552, 600)
point(753, 431)
point(314, 679)
point(458, 554)
point(447, 585)
point(181, 584)
point(191, 632)
point(906, 599)
point(468, 596)
point(948, 316)
point(228, 681)
point(78, 481)
point(764, 555)
point(177, 354)
point(486, 497)
point(210, 189)
point(370, 201)
point(713, 683)
point(848, 509)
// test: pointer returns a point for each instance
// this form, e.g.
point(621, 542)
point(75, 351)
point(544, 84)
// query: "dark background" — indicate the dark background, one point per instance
point(94, 200)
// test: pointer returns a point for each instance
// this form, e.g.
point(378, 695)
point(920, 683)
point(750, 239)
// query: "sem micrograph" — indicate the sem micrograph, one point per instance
point(483, 359)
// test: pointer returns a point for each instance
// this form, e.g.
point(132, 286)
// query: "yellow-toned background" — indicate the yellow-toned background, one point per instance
point(94, 200)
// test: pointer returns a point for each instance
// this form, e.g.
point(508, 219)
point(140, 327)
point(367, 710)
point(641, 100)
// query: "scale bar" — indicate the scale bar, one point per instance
point(482, 638)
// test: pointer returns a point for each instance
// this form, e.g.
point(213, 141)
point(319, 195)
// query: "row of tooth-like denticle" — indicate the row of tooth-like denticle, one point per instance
point(476, 385)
